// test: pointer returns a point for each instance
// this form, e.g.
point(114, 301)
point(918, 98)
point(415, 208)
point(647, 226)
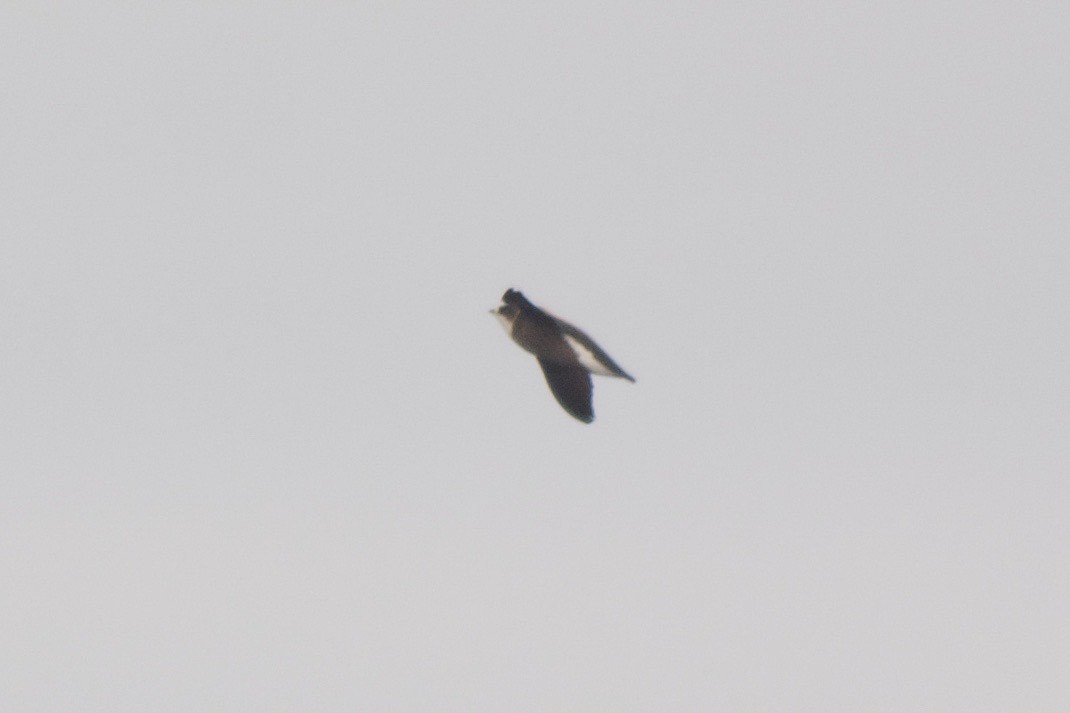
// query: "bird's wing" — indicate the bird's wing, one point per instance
point(602, 363)
point(571, 386)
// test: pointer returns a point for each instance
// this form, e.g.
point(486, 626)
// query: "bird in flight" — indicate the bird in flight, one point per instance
point(567, 356)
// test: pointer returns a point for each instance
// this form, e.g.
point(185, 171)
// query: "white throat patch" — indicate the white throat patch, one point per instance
point(507, 324)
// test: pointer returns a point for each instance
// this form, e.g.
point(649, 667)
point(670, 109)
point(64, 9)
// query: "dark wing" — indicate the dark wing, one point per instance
point(568, 330)
point(571, 386)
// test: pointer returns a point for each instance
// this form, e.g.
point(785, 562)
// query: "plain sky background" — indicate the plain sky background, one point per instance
point(263, 448)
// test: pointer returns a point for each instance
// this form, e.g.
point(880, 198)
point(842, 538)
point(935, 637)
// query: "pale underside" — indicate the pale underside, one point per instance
point(587, 358)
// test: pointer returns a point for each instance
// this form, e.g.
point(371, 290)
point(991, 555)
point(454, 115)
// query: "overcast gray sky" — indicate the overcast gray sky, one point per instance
point(263, 448)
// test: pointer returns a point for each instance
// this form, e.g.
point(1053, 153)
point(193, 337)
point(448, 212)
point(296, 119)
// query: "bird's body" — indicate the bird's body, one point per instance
point(567, 356)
